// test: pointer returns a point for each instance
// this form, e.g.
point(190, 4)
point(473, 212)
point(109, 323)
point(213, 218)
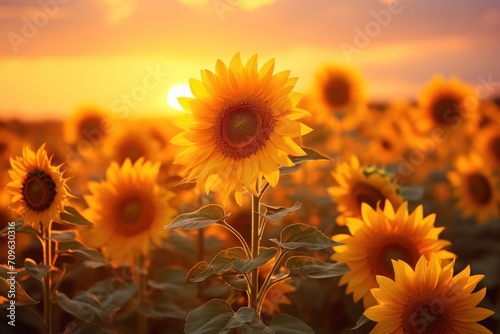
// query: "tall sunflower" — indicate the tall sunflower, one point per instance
point(241, 124)
point(359, 184)
point(428, 299)
point(39, 191)
point(87, 123)
point(475, 187)
point(487, 144)
point(380, 236)
point(128, 208)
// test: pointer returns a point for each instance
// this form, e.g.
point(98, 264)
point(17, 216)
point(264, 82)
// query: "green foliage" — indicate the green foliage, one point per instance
point(37, 271)
point(203, 217)
point(72, 217)
point(297, 236)
point(21, 297)
point(315, 268)
point(298, 161)
point(277, 213)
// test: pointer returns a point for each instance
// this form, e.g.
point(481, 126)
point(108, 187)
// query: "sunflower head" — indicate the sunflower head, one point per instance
point(428, 299)
point(475, 187)
point(130, 208)
point(381, 236)
point(241, 125)
point(39, 191)
point(445, 103)
point(87, 123)
point(359, 184)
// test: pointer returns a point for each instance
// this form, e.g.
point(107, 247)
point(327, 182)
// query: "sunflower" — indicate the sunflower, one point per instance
point(445, 104)
point(130, 142)
point(475, 187)
point(87, 123)
point(128, 208)
point(359, 184)
point(380, 236)
point(487, 143)
point(428, 299)
point(39, 191)
point(338, 92)
point(241, 127)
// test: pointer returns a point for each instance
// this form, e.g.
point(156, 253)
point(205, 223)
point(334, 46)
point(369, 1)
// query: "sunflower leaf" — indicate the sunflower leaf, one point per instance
point(37, 271)
point(226, 261)
point(72, 217)
point(11, 290)
point(237, 282)
point(63, 236)
point(162, 309)
point(203, 217)
point(6, 271)
point(315, 268)
point(276, 213)
point(303, 236)
point(287, 324)
point(310, 155)
point(211, 317)
point(265, 255)
point(93, 258)
point(19, 226)
point(361, 321)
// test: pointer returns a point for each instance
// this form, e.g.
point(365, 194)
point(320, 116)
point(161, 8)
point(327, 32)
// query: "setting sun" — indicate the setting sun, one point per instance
point(179, 90)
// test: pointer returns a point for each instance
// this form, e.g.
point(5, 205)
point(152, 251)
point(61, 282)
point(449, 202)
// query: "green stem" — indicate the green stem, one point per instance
point(47, 278)
point(201, 257)
point(267, 282)
point(240, 238)
point(142, 324)
point(254, 286)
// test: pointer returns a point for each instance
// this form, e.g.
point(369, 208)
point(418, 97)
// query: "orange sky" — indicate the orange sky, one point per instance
point(128, 53)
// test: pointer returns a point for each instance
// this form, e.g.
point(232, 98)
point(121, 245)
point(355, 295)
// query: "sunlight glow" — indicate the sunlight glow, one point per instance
point(179, 90)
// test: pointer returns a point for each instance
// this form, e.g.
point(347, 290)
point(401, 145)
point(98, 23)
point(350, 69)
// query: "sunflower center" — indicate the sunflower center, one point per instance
point(134, 214)
point(426, 316)
point(445, 110)
point(130, 148)
point(39, 190)
point(386, 144)
point(479, 188)
point(395, 248)
point(365, 193)
point(336, 92)
point(3, 147)
point(243, 129)
point(90, 123)
point(494, 144)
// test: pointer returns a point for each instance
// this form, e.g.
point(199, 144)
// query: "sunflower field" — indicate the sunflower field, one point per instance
point(259, 206)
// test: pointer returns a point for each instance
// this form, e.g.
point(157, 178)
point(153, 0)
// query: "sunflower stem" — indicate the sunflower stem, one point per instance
point(47, 278)
point(254, 286)
point(201, 257)
point(142, 324)
point(267, 282)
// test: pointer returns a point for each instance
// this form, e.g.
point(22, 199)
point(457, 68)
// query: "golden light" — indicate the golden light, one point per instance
point(179, 90)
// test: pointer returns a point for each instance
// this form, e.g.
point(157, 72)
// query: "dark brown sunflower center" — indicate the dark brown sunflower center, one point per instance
point(393, 248)
point(386, 144)
point(134, 214)
point(336, 92)
point(479, 188)
point(365, 193)
point(131, 148)
point(494, 145)
point(243, 129)
point(445, 110)
point(426, 316)
point(90, 123)
point(39, 190)
point(3, 147)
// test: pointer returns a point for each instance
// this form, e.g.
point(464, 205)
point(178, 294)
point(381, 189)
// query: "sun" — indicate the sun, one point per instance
point(179, 90)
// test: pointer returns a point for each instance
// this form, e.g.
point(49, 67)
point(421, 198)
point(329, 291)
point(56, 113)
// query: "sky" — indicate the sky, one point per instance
point(59, 55)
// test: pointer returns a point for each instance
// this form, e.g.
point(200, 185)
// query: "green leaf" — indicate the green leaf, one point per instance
point(265, 255)
point(412, 193)
point(225, 261)
point(180, 243)
point(361, 321)
point(5, 272)
point(72, 217)
point(211, 317)
point(63, 236)
point(315, 268)
point(237, 282)
point(18, 294)
point(93, 257)
point(303, 236)
point(171, 282)
point(310, 155)
point(287, 324)
point(203, 217)
point(19, 226)
point(244, 315)
point(37, 271)
point(195, 271)
point(162, 309)
point(276, 213)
